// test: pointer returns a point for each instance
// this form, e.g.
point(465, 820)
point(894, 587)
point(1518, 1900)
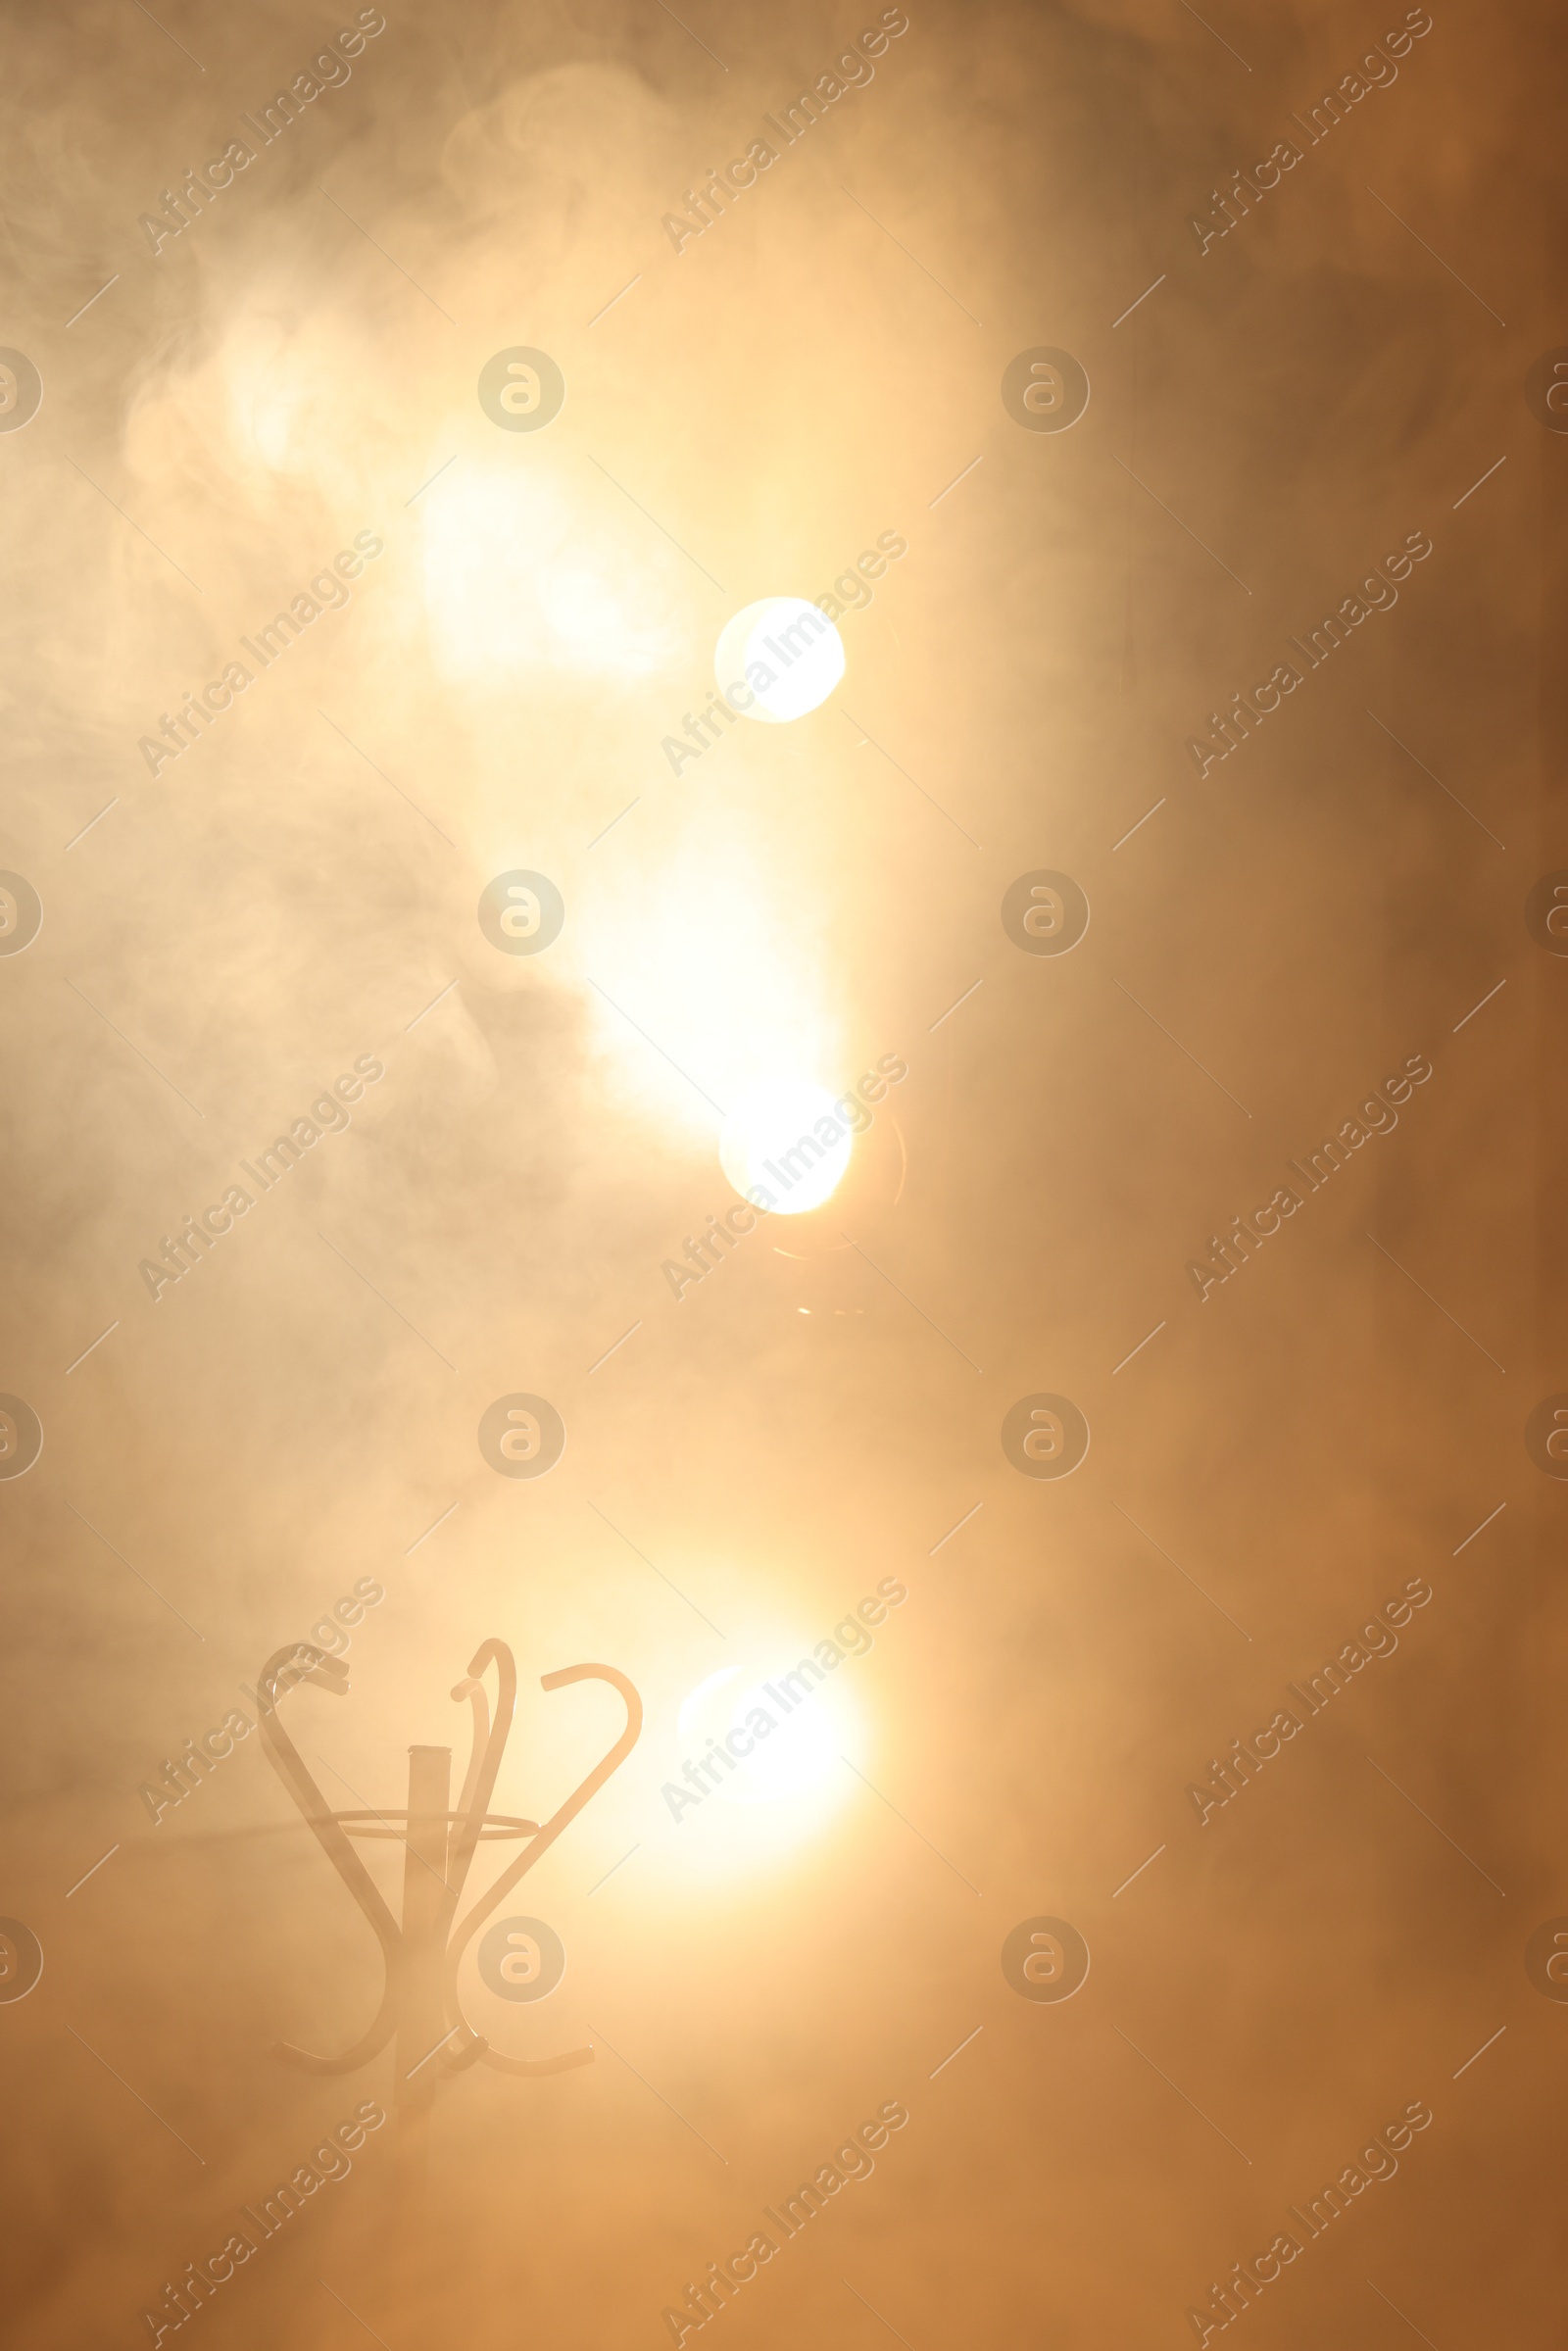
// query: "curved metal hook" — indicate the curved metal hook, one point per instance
point(331, 1674)
point(562, 1818)
point(559, 1820)
point(535, 2066)
point(478, 1785)
point(484, 1762)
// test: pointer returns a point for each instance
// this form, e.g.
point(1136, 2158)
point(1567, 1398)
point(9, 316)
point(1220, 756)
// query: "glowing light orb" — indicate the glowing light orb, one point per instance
point(796, 1752)
point(768, 1751)
point(779, 659)
point(784, 1138)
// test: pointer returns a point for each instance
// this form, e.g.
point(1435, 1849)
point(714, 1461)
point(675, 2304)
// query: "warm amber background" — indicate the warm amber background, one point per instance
point(1317, 909)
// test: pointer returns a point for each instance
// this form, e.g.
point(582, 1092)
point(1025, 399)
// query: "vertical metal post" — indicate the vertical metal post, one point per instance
point(423, 2023)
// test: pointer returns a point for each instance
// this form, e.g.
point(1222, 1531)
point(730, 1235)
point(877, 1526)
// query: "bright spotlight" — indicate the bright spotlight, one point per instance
point(779, 659)
point(773, 1754)
point(783, 1139)
point(793, 1757)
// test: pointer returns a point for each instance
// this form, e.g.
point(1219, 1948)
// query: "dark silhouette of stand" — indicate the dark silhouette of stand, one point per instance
point(419, 2001)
